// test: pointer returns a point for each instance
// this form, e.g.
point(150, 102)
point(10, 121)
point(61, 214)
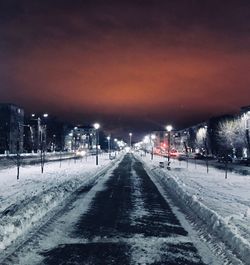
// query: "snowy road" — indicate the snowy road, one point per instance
point(122, 219)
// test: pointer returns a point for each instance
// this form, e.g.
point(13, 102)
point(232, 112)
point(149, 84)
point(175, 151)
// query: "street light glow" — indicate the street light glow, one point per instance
point(169, 128)
point(130, 139)
point(96, 126)
point(45, 115)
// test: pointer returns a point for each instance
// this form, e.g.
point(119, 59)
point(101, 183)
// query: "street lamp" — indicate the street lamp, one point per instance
point(97, 126)
point(152, 137)
point(130, 139)
point(115, 145)
point(169, 128)
point(53, 147)
point(39, 128)
point(40, 141)
point(108, 138)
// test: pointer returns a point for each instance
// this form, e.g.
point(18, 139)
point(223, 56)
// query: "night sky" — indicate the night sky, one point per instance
point(131, 65)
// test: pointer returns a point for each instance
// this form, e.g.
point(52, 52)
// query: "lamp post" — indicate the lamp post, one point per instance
point(39, 128)
point(108, 138)
point(152, 137)
point(97, 126)
point(169, 128)
point(115, 145)
point(75, 142)
point(205, 141)
point(130, 139)
point(53, 147)
point(41, 141)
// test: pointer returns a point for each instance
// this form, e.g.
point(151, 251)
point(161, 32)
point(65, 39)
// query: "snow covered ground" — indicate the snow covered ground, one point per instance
point(223, 204)
point(25, 201)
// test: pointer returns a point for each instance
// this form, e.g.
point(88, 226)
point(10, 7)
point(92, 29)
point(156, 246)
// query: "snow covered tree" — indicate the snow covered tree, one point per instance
point(232, 134)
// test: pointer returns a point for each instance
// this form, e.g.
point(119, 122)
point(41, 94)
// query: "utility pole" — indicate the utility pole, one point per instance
point(152, 137)
point(130, 140)
point(97, 126)
point(169, 128)
point(109, 138)
point(41, 141)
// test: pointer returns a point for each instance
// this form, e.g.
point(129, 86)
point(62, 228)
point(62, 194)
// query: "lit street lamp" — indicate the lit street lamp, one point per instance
point(115, 145)
point(41, 142)
point(169, 128)
point(39, 129)
point(108, 138)
point(97, 126)
point(130, 139)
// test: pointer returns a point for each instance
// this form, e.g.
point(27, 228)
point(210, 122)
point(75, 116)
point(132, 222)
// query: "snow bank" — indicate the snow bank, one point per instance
point(179, 188)
point(25, 202)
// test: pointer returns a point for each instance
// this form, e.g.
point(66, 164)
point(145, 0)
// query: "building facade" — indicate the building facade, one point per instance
point(11, 129)
point(80, 138)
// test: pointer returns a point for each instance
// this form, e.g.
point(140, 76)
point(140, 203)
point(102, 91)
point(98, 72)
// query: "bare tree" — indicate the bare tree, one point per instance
point(232, 134)
point(17, 159)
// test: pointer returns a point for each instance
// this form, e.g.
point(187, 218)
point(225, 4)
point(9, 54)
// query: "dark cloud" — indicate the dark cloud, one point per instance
point(130, 63)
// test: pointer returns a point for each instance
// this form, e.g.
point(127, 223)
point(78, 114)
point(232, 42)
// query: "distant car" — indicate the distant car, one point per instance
point(245, 161)
point(225, 159)
point(174, 153)
point(182, 157)
point(199, 156)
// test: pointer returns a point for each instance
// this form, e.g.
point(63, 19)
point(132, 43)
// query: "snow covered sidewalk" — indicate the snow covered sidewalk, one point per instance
point(223, 204)
point(24, 202)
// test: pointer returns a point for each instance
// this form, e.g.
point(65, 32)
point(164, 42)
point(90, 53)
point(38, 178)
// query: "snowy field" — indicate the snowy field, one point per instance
point(25, 201)
point(223, 204)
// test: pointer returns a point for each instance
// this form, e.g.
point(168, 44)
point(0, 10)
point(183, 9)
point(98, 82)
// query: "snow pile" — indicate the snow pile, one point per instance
point(23, 203)
point(223, 204)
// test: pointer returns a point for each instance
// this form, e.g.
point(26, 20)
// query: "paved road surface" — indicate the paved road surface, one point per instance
point(127, 222)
